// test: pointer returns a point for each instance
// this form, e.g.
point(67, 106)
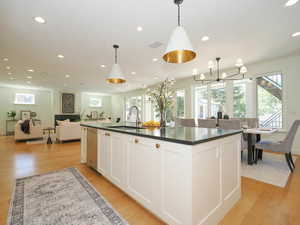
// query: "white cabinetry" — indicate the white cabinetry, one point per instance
point(83, 144)
point(143, 174)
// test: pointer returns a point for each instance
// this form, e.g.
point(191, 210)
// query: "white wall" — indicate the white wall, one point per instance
point(289, 66)
point(48, 103)
point(43, 108)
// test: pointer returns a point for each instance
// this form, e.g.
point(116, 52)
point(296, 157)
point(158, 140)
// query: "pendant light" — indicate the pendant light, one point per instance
point(179, 49)
point(116, 76)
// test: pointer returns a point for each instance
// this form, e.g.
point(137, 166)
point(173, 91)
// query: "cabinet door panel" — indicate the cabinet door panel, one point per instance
point(230, 168)
point(117, 160)
point(143, 175)
point(104, 145)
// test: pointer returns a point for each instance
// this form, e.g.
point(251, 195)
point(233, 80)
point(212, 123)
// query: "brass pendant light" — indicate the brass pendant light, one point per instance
point(179, 49)
point(116, 76)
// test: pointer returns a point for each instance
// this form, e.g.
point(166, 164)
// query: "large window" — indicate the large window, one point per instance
point(239, 99)
point(218, 98)
point(95, 101)
point(180, 101)
point(201, 102)
point(25, 99)
point(269, 100)
point(132, 101)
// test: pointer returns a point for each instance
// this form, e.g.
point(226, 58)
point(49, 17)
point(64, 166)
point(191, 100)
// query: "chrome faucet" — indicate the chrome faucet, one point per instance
point(137, 114)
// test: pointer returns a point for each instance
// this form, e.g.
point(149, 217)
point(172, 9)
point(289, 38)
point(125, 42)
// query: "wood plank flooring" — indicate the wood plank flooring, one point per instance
point(261, 204)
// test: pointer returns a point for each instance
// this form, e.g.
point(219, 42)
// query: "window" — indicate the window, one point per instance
point(239, 99)
point(147, 108)
point(26, 99)
point(201, 102)
point(180, 101)
point(95, 101)
point(269, 100)
point(218, 98)
point(132, 101)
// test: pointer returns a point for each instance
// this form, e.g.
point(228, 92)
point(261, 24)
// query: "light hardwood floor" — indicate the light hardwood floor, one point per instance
point(261, 204)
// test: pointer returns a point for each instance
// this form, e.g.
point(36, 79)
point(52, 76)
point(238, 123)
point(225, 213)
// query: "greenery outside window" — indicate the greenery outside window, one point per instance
point(24, 99)
point(201, 102)
point(239, 99)
point(218, 98)
point(180, 102)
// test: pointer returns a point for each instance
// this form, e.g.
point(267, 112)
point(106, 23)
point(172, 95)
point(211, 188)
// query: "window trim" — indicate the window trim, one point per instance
point(184, 102)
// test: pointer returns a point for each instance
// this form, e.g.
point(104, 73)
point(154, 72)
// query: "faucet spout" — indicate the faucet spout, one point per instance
point(137, 114)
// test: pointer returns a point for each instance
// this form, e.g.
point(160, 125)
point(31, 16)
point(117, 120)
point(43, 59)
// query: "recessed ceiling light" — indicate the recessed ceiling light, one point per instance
point(30, 70)
point(155, 59)
point(205, 38)
point(9, 73)
point(29, 77)
point(139, 28)
point(103, 66)
point(133, 73)
point(60, 56)
point(291, 3)
point(7, 67)
point(296, 34)
point(28, 82)
point(39, 19)
point(155, 78)
point(67, 75)
point(5, 59)
point(12, 78)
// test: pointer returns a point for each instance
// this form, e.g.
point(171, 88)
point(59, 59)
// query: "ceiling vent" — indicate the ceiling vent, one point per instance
point(155, 44)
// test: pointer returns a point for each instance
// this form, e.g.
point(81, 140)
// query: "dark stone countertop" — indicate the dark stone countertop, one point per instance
point(181, 135)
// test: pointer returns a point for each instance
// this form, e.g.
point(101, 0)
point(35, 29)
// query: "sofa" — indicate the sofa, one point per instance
point(67, 131)
point(36, 131)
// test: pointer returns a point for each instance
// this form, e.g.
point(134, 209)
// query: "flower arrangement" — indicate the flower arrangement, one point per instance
point(162, 97)
point(11, 114)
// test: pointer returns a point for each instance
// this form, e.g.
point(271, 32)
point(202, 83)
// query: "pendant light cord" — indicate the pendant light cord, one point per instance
point(178, 5)
point(116, 56)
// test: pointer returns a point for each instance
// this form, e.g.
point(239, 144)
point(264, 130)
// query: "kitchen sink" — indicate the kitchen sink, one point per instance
point(126, 127)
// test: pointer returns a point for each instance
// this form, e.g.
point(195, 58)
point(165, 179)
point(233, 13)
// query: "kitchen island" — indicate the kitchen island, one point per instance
point(184, 175)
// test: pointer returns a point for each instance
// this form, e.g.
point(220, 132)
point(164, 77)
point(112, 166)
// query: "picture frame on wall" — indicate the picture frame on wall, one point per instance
point(68, 103)
point(25, 115)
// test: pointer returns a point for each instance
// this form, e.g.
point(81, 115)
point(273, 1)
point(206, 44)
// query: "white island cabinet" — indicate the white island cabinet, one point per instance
point(181, 184)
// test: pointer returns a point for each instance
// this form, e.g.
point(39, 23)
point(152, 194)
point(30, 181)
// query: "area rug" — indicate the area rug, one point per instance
point(272, 169)
point(60, 198)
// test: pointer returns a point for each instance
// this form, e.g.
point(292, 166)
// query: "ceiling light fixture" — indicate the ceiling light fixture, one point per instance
point(291, 3)
point(28, 82)
point(67, 76)
point(31, 70)
point(60, 56)
point(205, 38)
point(9, 73)
point(5, 59)
point(155, 59)
point(116, 76)
point(139, 28)
point(103, 66)
point(29, 77)
point(155, 78)
point(296, 34)
point(179, 49)
point(39, 19)
point(12, 78)
point(133, 73)
point(7, 67)
point(242, 70)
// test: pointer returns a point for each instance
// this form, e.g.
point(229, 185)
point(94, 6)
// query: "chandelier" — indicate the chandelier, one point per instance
point(239, 75)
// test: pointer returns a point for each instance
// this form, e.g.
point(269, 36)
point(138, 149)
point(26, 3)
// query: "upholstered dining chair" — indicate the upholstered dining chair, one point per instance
point(207, 123)
point(284, 146)
point(185, 122)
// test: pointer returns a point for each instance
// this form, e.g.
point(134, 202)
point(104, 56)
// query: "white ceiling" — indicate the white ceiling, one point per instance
point(84, 32)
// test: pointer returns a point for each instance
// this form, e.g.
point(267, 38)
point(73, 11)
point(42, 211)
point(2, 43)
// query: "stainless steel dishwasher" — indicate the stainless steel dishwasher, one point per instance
point(92, 154)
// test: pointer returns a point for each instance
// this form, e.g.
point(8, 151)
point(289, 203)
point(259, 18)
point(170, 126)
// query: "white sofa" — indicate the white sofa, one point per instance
point(35, 132)
point(68, 131)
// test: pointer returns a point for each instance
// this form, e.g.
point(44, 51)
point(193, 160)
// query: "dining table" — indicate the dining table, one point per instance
point(250, 132)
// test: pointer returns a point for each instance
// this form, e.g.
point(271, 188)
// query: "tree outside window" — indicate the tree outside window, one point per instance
point(180, 101)
point(239, 99)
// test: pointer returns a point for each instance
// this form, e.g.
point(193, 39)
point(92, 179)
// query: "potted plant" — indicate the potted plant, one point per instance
point(11, 114)
point(162, 97)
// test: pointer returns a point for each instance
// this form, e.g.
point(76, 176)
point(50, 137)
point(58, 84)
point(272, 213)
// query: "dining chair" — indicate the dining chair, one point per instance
point(231, 124)
point(207, 123)
point(185, 122)
point(284, 146)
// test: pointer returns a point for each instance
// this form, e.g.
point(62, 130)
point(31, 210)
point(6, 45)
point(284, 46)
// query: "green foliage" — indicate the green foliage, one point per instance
point(239, 106)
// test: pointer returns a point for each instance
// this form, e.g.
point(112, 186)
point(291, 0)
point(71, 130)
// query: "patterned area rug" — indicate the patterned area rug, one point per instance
point(60, 198)
point(272, 169)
